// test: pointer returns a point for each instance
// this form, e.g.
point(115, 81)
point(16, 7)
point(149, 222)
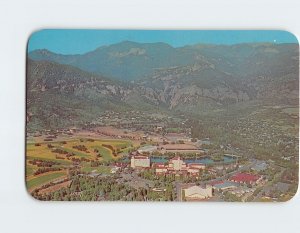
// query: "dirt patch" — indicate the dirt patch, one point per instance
point(56, 187)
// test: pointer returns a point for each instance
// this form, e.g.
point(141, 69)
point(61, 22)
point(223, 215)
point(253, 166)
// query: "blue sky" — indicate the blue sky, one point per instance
point(66, 41)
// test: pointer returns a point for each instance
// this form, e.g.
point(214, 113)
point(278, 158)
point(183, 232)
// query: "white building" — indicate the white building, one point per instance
point(161, 169)
point(193, 171)
point(197, 193)
point(147, 149)
point(196, 165)
point(177, 164)
point(140, 161)
point(114, 169)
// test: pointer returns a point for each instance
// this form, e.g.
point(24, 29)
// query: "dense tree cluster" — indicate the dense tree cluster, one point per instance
point(59, 151)
point(85, 188)
point(46, 169)
point(43, 163)
point(81, 148)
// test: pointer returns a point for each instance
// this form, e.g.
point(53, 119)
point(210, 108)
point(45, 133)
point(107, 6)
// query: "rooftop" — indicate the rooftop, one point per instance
point(225, 184)
point(244, 177)
point(140, 157)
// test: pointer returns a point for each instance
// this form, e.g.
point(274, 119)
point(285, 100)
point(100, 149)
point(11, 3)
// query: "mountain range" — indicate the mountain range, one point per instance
point(196, 79)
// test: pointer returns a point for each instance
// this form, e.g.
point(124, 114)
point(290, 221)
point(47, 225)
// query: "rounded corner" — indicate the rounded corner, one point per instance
point(291, 34)
point(30, 193)
point(32, 34)
point(294, 43)
point(293, 196)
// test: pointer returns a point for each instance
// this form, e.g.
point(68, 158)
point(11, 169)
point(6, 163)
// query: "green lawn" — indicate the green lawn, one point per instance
point(105, 153)
point(43, 179)
point(29, 170)
point(76, 152)
point(62, 161)
point(100, 169)
point(173, 130)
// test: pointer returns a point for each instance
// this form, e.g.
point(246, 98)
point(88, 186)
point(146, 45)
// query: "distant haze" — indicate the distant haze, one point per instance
point(82, 41)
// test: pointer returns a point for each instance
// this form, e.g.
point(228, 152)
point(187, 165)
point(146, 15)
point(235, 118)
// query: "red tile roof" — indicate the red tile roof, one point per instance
point(244, 177)
point(217, 182)
point(160, 165)
point(140, 157)
point(195, 164)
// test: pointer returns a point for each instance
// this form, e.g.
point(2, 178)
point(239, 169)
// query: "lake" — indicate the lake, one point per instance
point(209, 161)
point(205, 160)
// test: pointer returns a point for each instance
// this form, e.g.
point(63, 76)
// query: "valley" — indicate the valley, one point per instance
point(150, 122)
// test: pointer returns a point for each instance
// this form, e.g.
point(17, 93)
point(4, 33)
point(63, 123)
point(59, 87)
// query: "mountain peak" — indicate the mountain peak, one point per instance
point(41, 51)
point(140, 44)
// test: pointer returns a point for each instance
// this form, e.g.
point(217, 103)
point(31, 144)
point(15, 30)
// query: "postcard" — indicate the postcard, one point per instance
point(162, 115)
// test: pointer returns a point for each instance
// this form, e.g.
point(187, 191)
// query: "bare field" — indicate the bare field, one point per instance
point(56, 187)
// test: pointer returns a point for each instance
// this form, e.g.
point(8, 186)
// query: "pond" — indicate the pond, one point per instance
point(204, 160)
point(158, 160)
point(209, 161)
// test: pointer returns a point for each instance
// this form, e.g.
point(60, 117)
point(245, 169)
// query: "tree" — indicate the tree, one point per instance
point(194, 140)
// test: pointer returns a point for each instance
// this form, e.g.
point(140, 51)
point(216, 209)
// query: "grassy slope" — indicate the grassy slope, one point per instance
point(100, 169)
point(43, 179)
point(42, 152)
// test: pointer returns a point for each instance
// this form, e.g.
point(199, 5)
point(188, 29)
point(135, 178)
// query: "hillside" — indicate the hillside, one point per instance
point(198, 79)
point(59, 95)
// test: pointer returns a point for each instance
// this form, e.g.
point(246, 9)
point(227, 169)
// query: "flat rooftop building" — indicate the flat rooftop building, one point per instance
point(139, 161)
point(147, 149)
point(225, 185)
point(195, 192)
